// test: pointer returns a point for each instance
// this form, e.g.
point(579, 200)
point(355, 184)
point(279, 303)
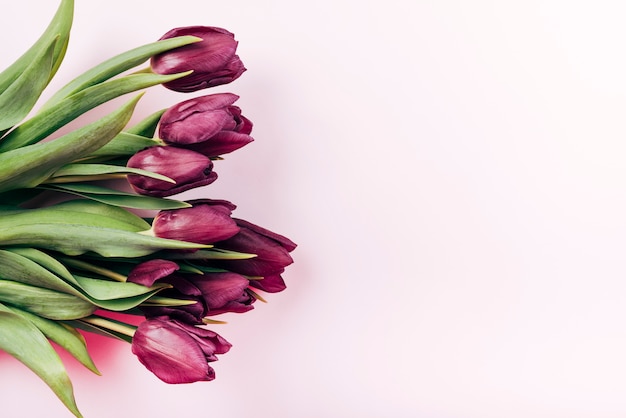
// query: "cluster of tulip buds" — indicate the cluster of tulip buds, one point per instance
point(74, 252)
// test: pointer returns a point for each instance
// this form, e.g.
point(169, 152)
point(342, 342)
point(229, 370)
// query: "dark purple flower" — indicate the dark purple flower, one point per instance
point(206, 222)
point(209, 125)
point(187, 168)
point(224, 292)
point(183, 289)
point(213, 60)
point(270, 284)
point(150, 271)
point(176, 352)
point(271, 249)
point(214, 293)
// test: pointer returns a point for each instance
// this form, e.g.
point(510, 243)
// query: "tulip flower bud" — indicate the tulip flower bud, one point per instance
point(187, 168)
point(212, 60)
point(177, 352)
point(224, 292)
point(206, 222)
point(209, 125)
point(183, 288)
point(148, 272)
point(272, 251)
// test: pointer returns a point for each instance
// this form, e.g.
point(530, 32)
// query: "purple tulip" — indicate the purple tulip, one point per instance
point(214, 294)
point(272, 251)
point(184, 289)
point(187, 168)
point(150, 271)
point(224, 292)
point(213, 60)
point(206, 222)
point(209, 125)
point(176, 352)
point(270, 284)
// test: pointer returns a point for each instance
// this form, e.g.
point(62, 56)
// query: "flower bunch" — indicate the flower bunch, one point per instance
point(74, 252)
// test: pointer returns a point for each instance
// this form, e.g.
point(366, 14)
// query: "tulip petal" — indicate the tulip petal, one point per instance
point(170, 353)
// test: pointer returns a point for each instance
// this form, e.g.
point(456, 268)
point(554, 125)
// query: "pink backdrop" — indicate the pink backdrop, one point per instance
point(454, 173)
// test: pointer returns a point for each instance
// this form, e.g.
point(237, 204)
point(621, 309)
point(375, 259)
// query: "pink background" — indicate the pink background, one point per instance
point(454, 173)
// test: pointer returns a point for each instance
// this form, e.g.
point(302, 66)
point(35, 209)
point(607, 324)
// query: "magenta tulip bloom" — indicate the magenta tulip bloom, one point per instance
point(187, 168)
point(209, 125)
point(206, 222)
point(214, 294)
point(150, 271)
point(176, 352)
point(213, 60)
point(224, 292)
point(272, 251)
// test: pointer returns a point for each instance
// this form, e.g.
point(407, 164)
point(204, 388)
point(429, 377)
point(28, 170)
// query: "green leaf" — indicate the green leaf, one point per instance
point(118, 65)
point(106, 326)
point(44, 302)
point(61, 217)
point(64, 335)
point(28, 166)
point(147, 127)
point(20, 97)
point(59, 28)
point(23, 340)
point(48, 120)
point(19, 268)
point(78, 239)
point(125, 144)
point(50, 263)
point(109, 290)
point(78, 170)
point(117, 198)
point(91, 207)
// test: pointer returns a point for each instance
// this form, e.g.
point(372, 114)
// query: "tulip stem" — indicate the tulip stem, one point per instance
point(82, 265)
point(75, 179)
point(115, 326)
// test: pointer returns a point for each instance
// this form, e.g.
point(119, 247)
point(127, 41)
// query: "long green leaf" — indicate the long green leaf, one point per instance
point(86, 207)
point(125, 144)
point(59, 28)
point(20, 97)
point(44, 302)
point(118, 65)
point(50, 119)
point(19, 268)
point(64, 335)
point(47, 261)
point(116, 197)
point(23, 340)
point(78, 170)
point(148, 125)
point(79, 239)
point(28, 166)
point(61, 217)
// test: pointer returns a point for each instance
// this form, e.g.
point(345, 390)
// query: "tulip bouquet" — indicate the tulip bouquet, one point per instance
point(91, 239)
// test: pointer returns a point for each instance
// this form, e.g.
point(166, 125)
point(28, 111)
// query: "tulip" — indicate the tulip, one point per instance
point(212, 60)
point(176, 352)
point(206, 222)
point(224, 292)
point(150, 271)
point(187, 168)
point(209, 125)
point(182, 289)
point(270, 284)
point(214, 294)
point(271, 249)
